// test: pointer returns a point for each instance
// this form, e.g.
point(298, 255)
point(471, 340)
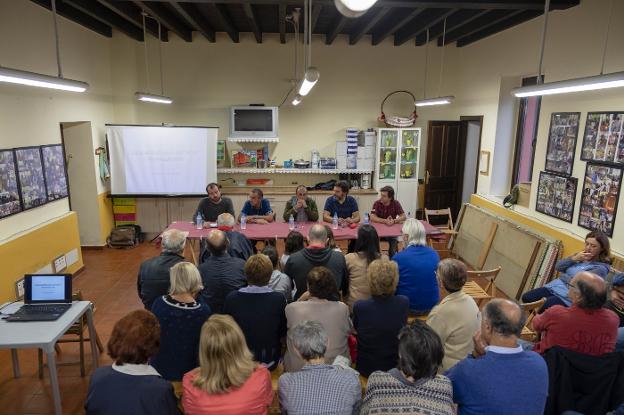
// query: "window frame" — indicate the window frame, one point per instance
point(520, 130)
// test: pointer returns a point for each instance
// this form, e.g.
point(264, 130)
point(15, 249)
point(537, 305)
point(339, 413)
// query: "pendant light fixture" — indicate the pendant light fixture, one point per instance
point(311, 75)
point(16, 76)
point(353, 8)
point(590, 83)
point(426, 102)
point(144, 96)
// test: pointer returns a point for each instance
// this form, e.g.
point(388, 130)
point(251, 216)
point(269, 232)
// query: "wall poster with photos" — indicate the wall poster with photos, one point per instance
point(603, 140)
point(601, 191)
point(562, 136)
point(556, 195)
point(31, 178)
point(10, 202)
point(54, 169)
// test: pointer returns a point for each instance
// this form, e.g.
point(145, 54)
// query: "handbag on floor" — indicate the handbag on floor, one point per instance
point(124, 236)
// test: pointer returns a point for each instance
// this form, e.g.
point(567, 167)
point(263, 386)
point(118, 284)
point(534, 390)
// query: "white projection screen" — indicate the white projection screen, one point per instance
point(167, 161)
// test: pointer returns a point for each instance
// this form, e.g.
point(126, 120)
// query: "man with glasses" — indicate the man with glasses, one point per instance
point(616, 304)
point(301, 207)
point(585, 327)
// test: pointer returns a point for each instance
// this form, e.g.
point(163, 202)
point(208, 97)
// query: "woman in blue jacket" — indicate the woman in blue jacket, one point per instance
point(595, 258)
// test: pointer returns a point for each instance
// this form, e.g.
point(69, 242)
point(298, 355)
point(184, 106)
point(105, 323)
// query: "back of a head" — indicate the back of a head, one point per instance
point(184, 279)
point(415, 231)
point(317, 234)
point(174, 241)
point(505, 316)
point(367, 243)
point(224, 359)
point(135, 338)
point(258, 270)
point(217, 242)
point(226, 219)
point(593, 291)
point(453, 274)
point(420, 351)
point(383, 277)
point(293, 243)
point(331, 241)
point(271, 252)
point(322, 284)
point(310, 339)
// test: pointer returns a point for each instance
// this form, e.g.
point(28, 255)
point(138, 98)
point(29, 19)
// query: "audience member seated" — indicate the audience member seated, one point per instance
point(153, 279)
point(257, 208)
point(417, 267)
point(227, 381)
point(414, 387)
point(585, 327)
point(456, 318)
point(294, 243)
point(259, 311)
point(388, 210)
point(239, 246)
point(366, 250)
point(221, 273)
point(131, 385)
point(616, 304)
point(279, 281)
point(318, 388)
point(333, 315)
point(499, 377)
point(181, 317)
point(214, 205)
point(378, 320)
point(317, 254)
point(331, 240)
point(595, 258)
point(301, 207)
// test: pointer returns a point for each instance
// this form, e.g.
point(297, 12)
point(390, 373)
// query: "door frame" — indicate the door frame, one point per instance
point(479, 119)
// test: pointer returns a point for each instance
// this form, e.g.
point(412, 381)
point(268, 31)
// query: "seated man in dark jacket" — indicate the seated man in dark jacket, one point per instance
point(221, 273)
point(239, 246)
point(153, 280)
point(317, 254)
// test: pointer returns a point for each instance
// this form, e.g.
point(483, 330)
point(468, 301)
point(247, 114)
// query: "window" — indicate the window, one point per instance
point(526, 136)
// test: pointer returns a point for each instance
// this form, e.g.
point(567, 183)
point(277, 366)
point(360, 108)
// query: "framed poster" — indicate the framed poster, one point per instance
point(556, 195)
point(603, 140)
point(562, 142)
point(54, 170)
point(10, 202)
point(601, 190)
point(30, 175)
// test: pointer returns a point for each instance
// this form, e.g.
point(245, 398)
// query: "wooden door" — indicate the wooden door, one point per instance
point(444, 166)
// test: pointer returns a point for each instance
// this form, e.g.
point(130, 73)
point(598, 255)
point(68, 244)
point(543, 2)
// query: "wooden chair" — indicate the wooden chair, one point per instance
point(481, 295)
point(75, 334)
point(447, 228)
point(531, 310)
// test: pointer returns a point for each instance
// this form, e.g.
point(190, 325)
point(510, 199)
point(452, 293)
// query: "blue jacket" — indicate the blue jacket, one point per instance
point(568, 269)
point(417, 279)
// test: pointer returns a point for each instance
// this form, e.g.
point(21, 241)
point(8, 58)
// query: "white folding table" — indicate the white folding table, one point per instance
point(44, 335)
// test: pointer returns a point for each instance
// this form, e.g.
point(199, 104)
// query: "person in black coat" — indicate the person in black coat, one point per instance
point(153, 279)
point(221, 273)
point(238, 244)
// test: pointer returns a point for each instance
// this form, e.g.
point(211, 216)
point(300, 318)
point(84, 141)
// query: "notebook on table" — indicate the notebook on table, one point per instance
point(46, 298)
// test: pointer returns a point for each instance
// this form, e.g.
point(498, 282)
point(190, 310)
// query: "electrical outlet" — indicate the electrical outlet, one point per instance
point(60, 264)
point(19, 289)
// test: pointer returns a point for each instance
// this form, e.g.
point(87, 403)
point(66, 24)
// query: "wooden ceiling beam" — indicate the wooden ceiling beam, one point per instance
point(282, 22)
point(132, 14)
point(414, 30)
point(253, 21)
point(221, 13)
point(337, 25)
point(454, 21)
point(77, 16)
point(366, 27)
point(316, 12)
point(194, 19)
point(166, 19)
point(106, 16)
point(379, 37)
point(514, 20)
point(492, 17)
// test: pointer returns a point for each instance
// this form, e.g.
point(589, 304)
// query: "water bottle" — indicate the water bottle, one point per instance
point(366, 218)
point(291, 223)
point(243, 223)
point(409, 215)
point(335, 221)
point(199, 221)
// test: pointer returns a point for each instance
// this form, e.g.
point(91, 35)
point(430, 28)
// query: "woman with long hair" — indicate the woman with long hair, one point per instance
point(366, 251)
point(294, 243)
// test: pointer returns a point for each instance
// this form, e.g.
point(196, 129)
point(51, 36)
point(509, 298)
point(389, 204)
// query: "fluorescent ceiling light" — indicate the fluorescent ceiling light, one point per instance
point(159, 99)
point(16, 76)
point(310, 78)
point(434, 101)
point(353, 8)
point(297, 99)
point(612, 80)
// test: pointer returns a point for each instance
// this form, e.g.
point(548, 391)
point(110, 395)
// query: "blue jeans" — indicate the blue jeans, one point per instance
point(539, 293)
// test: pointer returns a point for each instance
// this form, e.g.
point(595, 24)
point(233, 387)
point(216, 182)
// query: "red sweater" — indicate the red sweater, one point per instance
point(592, 332)
point(252, 398)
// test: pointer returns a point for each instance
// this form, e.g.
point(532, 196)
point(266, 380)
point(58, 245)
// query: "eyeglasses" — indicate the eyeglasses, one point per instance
point(570, 285)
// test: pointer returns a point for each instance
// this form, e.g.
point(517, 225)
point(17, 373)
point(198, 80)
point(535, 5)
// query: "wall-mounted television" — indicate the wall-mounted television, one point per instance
point(253, 122)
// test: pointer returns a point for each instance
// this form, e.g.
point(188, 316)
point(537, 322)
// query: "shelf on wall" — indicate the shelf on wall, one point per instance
point(253, 140)
point(291, 171)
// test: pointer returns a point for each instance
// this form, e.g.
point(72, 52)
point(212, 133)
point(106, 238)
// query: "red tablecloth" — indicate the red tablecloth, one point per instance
point(279, 230)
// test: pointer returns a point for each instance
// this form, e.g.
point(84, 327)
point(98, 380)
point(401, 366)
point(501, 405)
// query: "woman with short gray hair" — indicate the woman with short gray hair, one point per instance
point(318, 387)
point(181, 318)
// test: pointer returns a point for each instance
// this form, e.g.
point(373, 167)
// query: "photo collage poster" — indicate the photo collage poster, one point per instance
point(603, 140)
point(54, 169)
point(562, 136)
point(556, 196)
point(31, 178)
point(601, 190)
point(9, 189)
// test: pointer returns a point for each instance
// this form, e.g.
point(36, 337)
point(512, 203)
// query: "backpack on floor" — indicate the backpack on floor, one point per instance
point(125, 236)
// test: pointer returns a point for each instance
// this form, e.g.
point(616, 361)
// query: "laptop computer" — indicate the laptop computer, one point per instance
point(46, 298)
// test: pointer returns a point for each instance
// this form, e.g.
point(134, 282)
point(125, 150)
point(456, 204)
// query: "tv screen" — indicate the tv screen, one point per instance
point(253, 120)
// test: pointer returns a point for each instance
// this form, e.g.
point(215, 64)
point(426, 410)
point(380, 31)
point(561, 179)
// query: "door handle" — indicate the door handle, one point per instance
point(427, 176)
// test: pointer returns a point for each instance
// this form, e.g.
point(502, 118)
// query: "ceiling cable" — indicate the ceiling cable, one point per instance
point(143, 14)
point(426, 64)
point(56, 38)
point(604, 50)
point(442, 58)
point(544, 28)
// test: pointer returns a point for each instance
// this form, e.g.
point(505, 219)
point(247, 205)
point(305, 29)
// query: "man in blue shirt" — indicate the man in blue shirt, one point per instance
point(343, 204)
point(257, 208)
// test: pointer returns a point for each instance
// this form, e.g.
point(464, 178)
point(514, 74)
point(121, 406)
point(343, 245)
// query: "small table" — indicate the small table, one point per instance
point(44, 335)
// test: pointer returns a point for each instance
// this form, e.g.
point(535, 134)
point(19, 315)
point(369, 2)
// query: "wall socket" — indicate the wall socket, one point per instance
point(19, 289)
point(60, 264)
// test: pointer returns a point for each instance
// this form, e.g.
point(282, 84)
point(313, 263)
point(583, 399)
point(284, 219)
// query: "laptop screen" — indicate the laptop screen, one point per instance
point(48, 288)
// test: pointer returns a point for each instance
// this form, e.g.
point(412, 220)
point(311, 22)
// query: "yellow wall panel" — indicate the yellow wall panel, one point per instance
point(107, 223)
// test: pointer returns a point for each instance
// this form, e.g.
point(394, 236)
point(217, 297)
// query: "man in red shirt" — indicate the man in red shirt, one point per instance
point(585, 327)
point(388, 210)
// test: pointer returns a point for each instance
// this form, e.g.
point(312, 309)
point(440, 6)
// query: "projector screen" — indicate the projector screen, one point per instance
point(167, 161)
